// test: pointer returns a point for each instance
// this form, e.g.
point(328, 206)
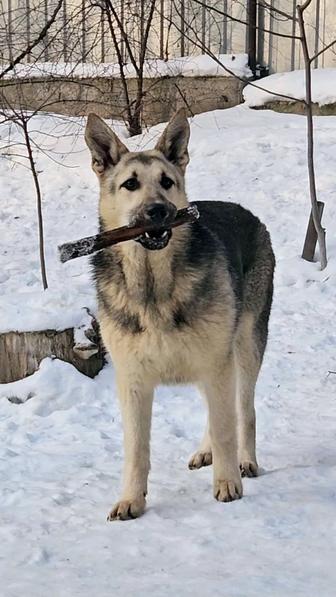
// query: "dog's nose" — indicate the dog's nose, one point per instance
point(157, 212)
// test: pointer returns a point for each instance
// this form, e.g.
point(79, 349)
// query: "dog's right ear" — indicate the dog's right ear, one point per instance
point(173, 142)
point(106, 148)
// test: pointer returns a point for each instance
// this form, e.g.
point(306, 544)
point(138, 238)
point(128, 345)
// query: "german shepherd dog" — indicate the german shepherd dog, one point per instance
point(184, 306)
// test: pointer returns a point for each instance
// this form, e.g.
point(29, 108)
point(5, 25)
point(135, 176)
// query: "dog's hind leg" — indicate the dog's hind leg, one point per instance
point(248, 363)
point(136, 399)
point(220, 390)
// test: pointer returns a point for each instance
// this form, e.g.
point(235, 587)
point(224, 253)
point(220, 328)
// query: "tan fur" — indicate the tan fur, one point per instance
point(205, 352)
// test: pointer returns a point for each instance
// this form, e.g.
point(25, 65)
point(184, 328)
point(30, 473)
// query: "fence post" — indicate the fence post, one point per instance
point(83, 33)
point(102, 28)
point(270, 42)
point(122, 20)
point(162, 29)
point(28, 26)
point(182, 27)
point(293, 36)
point(317, 31)
point(251, 34)
point(10, 31)
point(224, 40)
point(65, 36)
point(203, 25)
point(324, 30)
point(261, 34)
point(46, 38)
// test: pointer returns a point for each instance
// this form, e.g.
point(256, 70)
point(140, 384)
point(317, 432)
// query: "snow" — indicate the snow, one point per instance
point(61, 449)
point(187, 66)
point(292, 84)
point(70, 212)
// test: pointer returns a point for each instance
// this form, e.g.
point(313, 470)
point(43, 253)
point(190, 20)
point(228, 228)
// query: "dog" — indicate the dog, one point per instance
point(185, 306)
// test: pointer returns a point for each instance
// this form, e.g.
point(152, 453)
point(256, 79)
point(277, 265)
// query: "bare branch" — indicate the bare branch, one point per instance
point(322, 51)
point(276, 10)
point(302, 7)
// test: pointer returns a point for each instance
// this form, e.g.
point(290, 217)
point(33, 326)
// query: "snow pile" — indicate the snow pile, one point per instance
point(292, 84)
point(61, 435)
point(188, 66)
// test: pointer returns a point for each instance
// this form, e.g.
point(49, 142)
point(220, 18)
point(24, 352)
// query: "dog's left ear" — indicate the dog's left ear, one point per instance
point(106, 148)
point(173, 142)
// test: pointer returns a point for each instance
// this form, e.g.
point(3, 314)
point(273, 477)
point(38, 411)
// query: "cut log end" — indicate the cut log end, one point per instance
point(22, 352)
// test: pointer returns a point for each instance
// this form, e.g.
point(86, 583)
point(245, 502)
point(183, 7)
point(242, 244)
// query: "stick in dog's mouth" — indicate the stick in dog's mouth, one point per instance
point(150, 236)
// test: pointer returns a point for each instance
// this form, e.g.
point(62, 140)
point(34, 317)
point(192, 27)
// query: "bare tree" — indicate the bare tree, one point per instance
point(308, 60)
point(14, 106)
point(141, 14)
point(24, 124)
point(12, 150)
point(308, 103)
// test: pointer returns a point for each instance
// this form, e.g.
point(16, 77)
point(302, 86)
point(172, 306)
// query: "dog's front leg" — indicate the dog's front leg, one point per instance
point(220, 391)
point(136, 401)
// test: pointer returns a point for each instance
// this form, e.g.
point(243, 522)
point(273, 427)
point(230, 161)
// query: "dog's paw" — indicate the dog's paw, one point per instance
point(227, 490)
point(200, 459)
point(127, 509)
point(248, 469)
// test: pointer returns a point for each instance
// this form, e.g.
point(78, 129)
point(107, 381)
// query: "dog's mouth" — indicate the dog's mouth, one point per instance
point(156, 240)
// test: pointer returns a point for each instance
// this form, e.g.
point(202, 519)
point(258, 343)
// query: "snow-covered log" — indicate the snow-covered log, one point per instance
point(22, 352)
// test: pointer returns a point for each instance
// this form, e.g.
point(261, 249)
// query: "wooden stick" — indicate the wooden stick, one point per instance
point(91, 244)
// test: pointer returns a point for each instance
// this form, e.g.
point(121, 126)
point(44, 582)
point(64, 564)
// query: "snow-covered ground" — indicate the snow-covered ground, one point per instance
point(61, 451)
point(187, 66)
point(292, 85)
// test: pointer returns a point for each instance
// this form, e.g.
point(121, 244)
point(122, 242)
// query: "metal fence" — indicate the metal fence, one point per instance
point(81, 30)
point(280, 49)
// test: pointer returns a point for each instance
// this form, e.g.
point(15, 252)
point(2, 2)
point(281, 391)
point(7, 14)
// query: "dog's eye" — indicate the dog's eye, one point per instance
point(131, 184)
point(166, 182)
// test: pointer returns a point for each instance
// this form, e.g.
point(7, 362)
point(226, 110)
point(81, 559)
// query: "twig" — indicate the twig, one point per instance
point(332, 43)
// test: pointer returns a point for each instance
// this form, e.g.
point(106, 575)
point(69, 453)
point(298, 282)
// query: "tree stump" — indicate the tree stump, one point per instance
point(22, 352)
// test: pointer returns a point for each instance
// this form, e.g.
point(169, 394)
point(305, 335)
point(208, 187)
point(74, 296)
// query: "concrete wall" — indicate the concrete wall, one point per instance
point(298, 108)
point(105, 96)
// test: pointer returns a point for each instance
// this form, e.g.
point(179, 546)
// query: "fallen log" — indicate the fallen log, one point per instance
point(22, 352)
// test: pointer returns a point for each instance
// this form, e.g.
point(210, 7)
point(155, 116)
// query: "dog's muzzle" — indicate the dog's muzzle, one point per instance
point(161, 214)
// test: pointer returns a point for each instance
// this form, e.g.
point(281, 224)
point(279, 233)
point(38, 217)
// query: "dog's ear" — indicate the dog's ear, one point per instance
point(106, 148)
point(173, 142)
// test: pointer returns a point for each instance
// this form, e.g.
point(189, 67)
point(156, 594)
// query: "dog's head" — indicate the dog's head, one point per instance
point(139, 187)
